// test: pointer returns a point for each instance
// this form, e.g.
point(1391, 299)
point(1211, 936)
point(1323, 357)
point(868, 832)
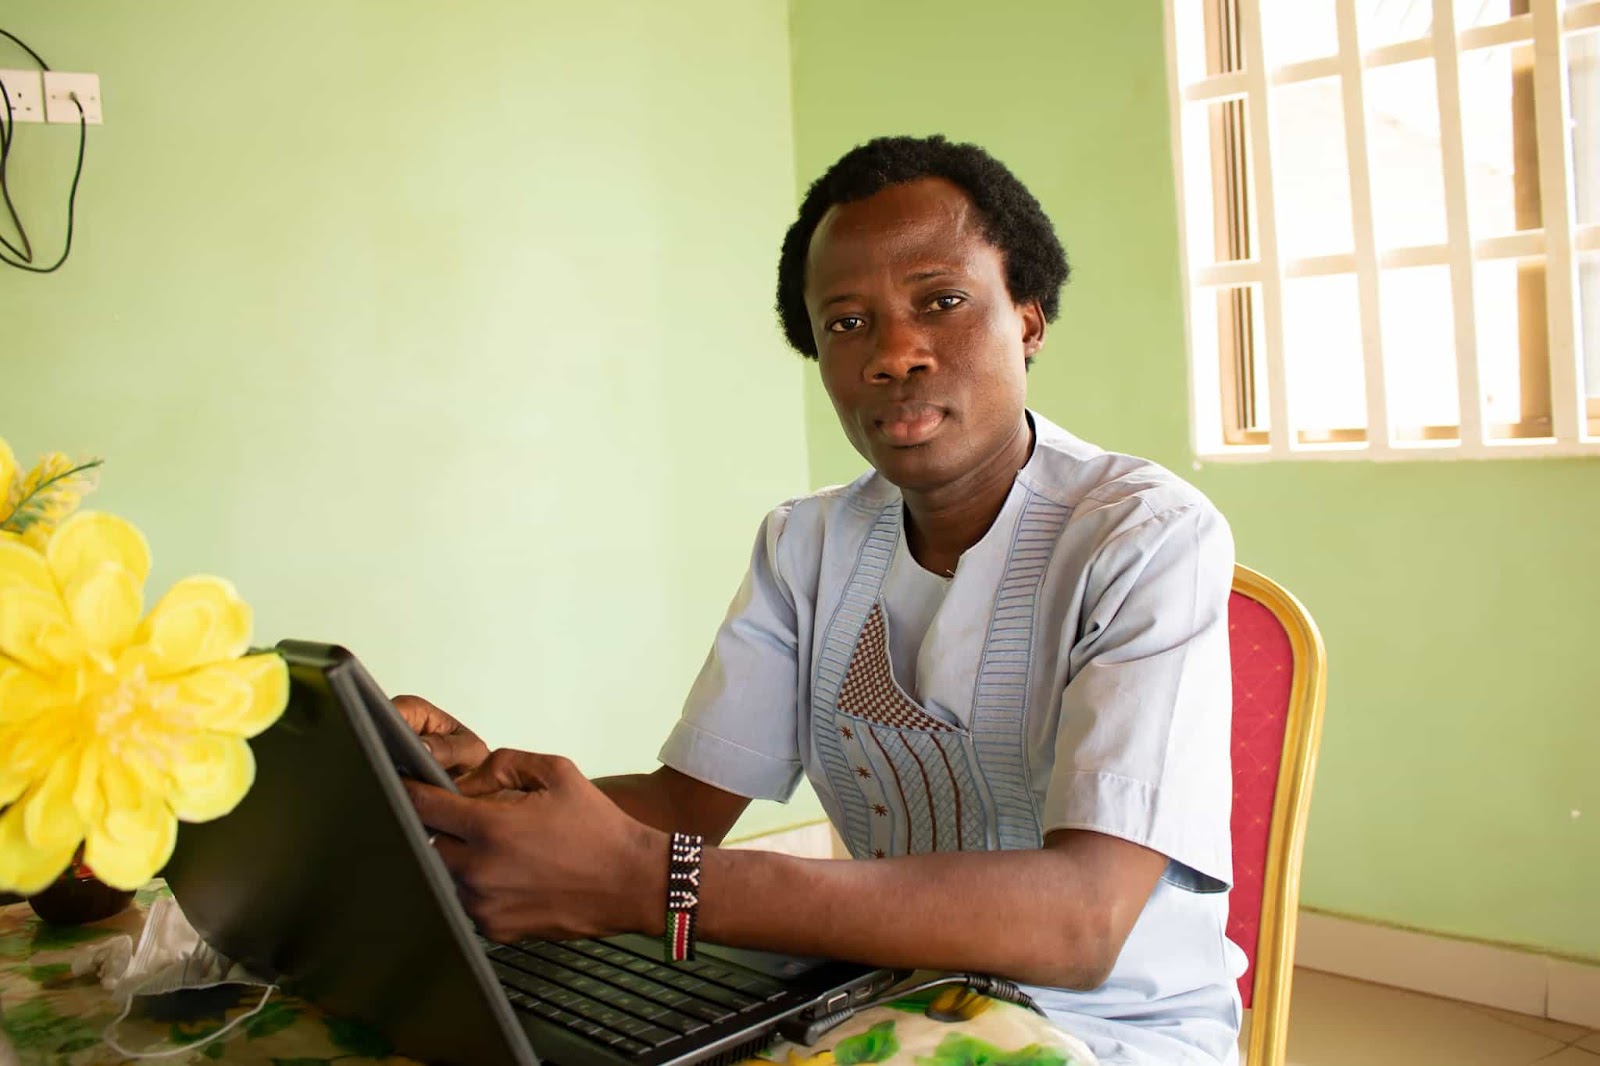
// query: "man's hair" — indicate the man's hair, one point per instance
point(1013, 221)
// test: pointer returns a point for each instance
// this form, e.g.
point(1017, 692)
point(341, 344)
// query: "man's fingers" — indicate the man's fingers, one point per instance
point(452, 745)
point(455, 854)
point(524, 771)
point(456, 752)
point(422, 716)
point(445, 812)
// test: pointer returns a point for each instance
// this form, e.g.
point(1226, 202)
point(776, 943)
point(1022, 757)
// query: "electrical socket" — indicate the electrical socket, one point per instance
point(59, 88)
point(23, 90)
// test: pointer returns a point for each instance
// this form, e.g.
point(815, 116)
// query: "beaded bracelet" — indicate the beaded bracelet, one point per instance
point(683, 895)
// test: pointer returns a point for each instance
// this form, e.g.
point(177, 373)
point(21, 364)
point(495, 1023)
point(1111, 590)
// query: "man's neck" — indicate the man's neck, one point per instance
point(944, 523)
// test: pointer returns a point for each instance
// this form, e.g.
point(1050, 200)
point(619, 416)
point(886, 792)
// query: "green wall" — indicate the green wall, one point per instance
point(441, 329)
point(1459, 601)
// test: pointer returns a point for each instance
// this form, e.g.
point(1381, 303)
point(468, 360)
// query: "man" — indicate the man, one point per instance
point(1000, 657)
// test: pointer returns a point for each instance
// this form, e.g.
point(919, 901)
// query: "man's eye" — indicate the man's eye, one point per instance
point(847, 324)
point(948, 302)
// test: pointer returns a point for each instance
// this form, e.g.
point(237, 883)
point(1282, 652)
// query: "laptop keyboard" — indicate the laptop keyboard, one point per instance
point(626, 1001)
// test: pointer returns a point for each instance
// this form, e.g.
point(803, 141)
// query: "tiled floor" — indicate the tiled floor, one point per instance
point(1335, 1021)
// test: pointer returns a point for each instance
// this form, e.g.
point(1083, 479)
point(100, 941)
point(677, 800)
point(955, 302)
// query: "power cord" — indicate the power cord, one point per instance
point(26, 252)
point(7, 135)
point(20, 43)
point(807, 1031)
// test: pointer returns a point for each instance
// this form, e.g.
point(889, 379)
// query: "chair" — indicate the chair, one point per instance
point(1279, 690)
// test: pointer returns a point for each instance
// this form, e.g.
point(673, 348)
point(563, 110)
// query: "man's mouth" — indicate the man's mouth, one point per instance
point(905, 425)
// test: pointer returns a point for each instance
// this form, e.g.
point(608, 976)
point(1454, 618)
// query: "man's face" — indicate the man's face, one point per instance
point(922, 350)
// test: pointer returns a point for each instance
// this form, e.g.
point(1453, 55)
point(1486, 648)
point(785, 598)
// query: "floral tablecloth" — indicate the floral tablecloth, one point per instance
point(49, 1016)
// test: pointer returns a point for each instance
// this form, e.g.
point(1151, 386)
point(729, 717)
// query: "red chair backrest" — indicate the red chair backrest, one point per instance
point(1263, 673)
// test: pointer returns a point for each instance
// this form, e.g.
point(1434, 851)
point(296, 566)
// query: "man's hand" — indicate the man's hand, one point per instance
point(452, 744)
point(537, 850)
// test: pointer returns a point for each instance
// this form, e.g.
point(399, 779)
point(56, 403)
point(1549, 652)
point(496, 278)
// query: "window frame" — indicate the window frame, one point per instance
point(1244, 264)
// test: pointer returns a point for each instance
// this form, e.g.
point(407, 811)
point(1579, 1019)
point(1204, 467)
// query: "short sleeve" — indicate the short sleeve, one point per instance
point(739, 727)
point(1143, 742)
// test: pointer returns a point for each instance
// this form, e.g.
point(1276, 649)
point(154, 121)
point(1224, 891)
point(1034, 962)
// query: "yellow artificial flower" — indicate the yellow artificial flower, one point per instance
point(32, 505)
point(113, 728)
point(8, 484)
point(8, 475)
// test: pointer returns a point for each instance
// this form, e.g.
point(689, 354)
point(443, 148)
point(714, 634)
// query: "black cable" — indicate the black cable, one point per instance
point(25, 253)
point(7, 135)
point(18, 41)
point(72, 196)
point(807, 1031)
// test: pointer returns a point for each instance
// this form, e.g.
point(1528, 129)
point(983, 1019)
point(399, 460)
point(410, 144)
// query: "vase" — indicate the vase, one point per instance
point(77, 896)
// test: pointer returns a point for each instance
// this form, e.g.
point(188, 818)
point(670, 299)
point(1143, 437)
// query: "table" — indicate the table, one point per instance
point(50, 1016)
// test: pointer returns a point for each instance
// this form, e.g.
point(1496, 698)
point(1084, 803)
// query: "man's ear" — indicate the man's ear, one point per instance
point(1033, 326)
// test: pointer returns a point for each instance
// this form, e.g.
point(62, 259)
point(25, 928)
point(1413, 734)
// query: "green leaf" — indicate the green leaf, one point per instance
point(15, 946)
point(53, 493)
point(50, 973)
point(958, 1049)
point(358, 1038)
point(35, 1025)
point(215, 1050)
point(875, 1045)
point(275, 1016)
point(916, 1003)
point(80, 1044)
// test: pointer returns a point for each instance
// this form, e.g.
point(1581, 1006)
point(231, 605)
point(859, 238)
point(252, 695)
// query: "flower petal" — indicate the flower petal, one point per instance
point(25, 698)
point(36, 631)
point(22, 567)
point(90, 538)
point(241, 696)
point(87, 798)
point(106, 603)
point(135, 852)
point(35, 628)
point(49, 818)
point(14, 781)
point(8, 479)
point(210, 776)
point(29, 748)
point(24, 868)
point(200, 621)
point(25, 694)
point(120, 791)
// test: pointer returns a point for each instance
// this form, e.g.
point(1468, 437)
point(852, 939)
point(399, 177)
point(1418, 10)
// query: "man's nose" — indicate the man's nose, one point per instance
point(901, 349)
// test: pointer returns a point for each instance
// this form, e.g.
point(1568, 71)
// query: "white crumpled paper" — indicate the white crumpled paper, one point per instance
point(169, 956)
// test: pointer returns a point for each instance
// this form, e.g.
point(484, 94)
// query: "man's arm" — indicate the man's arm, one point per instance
point(674, 802)
point(540, 851)
point(1057, 916)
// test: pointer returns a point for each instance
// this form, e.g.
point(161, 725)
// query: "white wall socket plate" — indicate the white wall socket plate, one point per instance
point(25, 91)
point(58, 89)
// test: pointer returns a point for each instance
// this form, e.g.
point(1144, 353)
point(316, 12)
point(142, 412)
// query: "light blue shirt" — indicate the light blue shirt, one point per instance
point(1075, 676)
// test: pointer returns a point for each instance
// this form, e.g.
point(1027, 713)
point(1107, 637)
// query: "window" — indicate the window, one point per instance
point(1391, 225)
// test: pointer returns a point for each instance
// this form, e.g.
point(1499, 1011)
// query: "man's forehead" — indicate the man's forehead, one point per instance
point(916, 218)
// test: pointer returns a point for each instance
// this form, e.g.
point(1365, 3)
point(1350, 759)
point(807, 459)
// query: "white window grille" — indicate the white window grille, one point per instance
point(1390, 214)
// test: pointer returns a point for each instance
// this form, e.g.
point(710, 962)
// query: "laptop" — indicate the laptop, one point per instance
point(322, 879)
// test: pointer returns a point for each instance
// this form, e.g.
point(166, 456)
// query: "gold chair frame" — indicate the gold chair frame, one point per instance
point(1280, 898)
